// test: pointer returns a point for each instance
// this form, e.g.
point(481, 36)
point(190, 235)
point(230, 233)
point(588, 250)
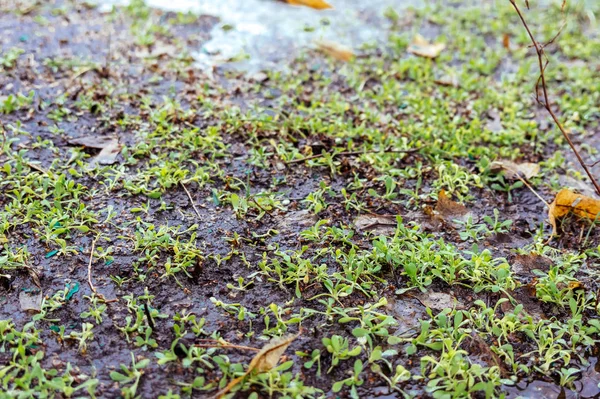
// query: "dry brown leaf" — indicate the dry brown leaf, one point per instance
point(567, 201)
point(316, 4)
point(336, 50)
point(97, 142)
point(439, 301)
point(506, 41)
point(377, 224)
point(524, 265)
point(450, 80)
point(449, 210)
point(421, 47)
point(108, 155)
point(109, 148)
point(264, 360)
point(513, 171)
point(296, 220)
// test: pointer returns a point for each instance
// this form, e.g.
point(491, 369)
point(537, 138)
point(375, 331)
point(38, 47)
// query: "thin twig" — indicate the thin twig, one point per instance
point(594, 164)
point(518, 176)
point(89, 273)
point(539, 49)
point(225, 345)
point(351, 153)
point(191, 199)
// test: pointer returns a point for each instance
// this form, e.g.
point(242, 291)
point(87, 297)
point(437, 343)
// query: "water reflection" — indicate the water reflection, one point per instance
point(259, 34)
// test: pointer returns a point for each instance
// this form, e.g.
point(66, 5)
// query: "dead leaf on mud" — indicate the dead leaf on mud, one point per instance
point(439, 301)
point(377, 224)
point(421, 47)
point(450, 80)
point(524, 265)
point(31, 300)
point(406, 312)
point(513, 171)
point(109, 148)
point(298, 219)
point(264, 360)
point(448, 210)
point(335, 50)
point(494, 124)
point(506, 41)
point(316, 4)
point(567, 201)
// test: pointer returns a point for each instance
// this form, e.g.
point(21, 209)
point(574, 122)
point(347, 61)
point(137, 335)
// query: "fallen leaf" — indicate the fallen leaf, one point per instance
point(506, 41)
point(439, 301)
point(524, 265)
point(576, 285)
point(406, 313)
point(316, 4)
point(513, 171)
point(421, 47)
point(567, 201)
point(98, 142)
point(296, 220)
point(449, 210)
point(335, 50)
point(494, 123)
point(450, 80)
point(108, 155)
point(264, 360)
point(109, 148)
point(377, 224)
point(31, 299)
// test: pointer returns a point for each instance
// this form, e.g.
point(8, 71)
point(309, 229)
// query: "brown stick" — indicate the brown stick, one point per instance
point(539, 49)
point(350, 153)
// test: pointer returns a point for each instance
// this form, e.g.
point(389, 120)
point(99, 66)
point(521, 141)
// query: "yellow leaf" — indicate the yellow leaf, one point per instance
point(335, 50)
point(264, 360)
point(423, 48)
point(567, 201)
point(316, 4)
point(576, 285)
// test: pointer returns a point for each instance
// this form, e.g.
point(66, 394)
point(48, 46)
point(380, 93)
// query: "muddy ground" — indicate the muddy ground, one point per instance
point(215, 210)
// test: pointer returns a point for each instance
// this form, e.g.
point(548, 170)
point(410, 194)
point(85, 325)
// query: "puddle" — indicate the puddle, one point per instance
point(260, 34)
point(585, 387)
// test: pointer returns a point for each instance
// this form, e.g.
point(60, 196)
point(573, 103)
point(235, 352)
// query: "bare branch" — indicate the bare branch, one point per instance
point(539, 49)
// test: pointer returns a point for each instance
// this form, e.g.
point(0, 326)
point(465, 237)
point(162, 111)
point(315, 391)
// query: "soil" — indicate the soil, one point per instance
point(75, 54)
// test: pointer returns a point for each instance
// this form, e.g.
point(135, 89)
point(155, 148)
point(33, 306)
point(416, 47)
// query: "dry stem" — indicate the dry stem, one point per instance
point(539, 49)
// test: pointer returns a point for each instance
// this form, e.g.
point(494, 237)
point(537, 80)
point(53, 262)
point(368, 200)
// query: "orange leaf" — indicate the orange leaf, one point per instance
point(423, 48)
point(448, 209)
point(316, 4)
point(506, 41)
point(567, 201)
point(335, 50)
